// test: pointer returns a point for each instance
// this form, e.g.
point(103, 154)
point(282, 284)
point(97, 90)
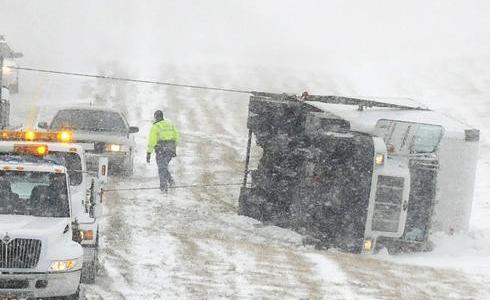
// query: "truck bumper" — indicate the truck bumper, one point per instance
point(39, 285)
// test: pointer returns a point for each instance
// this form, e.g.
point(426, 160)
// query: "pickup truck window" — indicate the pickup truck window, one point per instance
point(40, 194)
point(89, 120)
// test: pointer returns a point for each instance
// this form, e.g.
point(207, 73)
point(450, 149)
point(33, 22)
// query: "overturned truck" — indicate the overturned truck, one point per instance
point(359, 174)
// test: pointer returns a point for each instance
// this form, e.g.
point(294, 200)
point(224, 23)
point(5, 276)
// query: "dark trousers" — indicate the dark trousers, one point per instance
point(163, 159)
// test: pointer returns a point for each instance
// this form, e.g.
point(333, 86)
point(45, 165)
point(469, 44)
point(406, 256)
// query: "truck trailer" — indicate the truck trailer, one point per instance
point(359, 174)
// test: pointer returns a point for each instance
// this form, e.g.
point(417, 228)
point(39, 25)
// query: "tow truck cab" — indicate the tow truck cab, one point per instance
point(38, 257)
point(358, 178)
point(85, 189)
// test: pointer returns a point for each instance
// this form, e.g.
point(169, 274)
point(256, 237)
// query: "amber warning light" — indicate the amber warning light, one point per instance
point(64, 136)
point(36, 150)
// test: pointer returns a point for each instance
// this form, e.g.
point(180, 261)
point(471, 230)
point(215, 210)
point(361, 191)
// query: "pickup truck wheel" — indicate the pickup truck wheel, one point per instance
point(129, 167)
point(79, 295)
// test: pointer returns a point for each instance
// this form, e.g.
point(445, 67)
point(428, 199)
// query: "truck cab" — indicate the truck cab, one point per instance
point(85, 187)
point(38, 257)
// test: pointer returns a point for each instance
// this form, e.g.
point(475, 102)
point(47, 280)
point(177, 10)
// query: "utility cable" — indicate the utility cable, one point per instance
point(174, 187)
point(314, 98)
point(192, 86)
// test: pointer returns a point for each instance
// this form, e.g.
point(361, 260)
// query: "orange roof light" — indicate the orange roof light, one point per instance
point(65, 136)
point(30, 135)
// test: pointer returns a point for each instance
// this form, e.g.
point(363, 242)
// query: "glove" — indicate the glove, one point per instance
point(148, 156)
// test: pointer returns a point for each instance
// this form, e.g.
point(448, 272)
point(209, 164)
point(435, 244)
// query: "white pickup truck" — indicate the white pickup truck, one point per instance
point(38, 257)
point(85, 187)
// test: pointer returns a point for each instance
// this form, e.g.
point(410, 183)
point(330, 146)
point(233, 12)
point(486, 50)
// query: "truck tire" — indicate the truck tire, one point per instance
point(129, 166)
point(79, 295)
point(89, 271)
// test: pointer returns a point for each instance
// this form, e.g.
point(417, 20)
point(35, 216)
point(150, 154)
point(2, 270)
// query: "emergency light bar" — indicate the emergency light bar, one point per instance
point(64, 136)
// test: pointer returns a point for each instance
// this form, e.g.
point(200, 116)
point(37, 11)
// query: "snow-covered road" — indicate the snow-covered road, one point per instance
point(191, 244)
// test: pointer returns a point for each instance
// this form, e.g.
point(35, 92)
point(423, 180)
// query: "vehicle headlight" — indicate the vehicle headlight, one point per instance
point(115, 148)
point(368, 245)
point(63, 265)
point(379, 159)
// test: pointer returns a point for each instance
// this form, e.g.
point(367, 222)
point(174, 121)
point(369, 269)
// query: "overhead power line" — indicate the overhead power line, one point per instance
point(192, 86)
point(362, 103)
point(174, 187)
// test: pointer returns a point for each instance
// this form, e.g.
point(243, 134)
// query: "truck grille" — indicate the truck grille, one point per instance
point(99, 147)
point(19, 253)
point(388, 203)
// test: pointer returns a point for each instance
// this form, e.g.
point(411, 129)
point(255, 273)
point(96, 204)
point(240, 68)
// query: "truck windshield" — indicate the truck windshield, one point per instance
point(89, 120)
point(426, 139)
point(40, 194)
point(409, 137)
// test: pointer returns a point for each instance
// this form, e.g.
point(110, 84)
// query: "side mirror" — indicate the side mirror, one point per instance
point(42, 125)
point(133, 129)
point(95, 210)
point(103, 169)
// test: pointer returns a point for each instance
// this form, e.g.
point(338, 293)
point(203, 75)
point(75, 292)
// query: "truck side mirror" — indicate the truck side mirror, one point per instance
point(95, 200)
point(133, 129)
point(103, 169)
point(42, 125)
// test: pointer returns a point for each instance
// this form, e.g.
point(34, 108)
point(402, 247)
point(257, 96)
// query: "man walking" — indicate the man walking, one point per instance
point(163, 140)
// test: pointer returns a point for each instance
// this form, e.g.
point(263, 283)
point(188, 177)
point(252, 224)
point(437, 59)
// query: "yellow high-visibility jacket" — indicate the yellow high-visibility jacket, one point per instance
point(162, 131)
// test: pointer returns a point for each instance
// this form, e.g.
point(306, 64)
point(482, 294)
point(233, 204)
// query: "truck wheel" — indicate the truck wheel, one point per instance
point(89, 273)
point(79, 295)
point(129, 167)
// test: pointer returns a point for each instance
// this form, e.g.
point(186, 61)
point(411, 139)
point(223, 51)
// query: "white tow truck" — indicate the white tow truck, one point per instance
point(38, 257)
point(85, 186)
